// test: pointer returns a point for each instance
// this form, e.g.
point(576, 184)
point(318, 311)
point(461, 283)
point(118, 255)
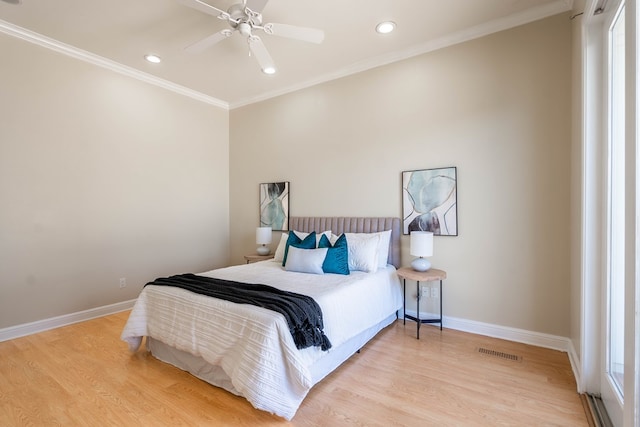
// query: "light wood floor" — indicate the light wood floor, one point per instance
point(84, 375)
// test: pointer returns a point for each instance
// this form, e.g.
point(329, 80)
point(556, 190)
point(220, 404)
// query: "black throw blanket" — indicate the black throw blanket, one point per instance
point(303, 314)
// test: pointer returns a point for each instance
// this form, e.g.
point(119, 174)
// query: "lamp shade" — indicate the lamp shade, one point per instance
point(263, 235)
point(421, 243)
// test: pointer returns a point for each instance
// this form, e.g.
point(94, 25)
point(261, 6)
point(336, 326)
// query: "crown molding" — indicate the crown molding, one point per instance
point(530, 15)
point(83, 55)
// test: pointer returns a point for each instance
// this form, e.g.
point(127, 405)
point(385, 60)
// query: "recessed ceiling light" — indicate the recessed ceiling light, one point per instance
point(269, 70)
point(153, 58)
point(385, 27)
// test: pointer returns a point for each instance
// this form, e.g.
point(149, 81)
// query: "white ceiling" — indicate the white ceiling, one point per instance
point(123, 31)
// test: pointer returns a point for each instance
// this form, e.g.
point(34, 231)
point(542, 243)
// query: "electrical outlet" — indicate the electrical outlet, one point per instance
point(424, 293)
point(434, 292)
point(123, 282)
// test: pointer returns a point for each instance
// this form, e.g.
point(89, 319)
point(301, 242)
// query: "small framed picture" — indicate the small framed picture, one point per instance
point(274, 205)
point(430, 201)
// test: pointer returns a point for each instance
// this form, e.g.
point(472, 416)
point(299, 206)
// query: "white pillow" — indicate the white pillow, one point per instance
point(363, 251)
point(383, 244)
point(279, 254)
point(305, 260)
point(383, 248)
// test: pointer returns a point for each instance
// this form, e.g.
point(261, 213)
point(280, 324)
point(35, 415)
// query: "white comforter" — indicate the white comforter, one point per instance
point(253, 345)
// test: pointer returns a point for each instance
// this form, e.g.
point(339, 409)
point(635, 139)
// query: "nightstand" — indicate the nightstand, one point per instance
point(431, 275)
point(256, 258)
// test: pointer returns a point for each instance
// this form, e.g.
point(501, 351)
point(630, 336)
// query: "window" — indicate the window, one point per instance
point(616, 205)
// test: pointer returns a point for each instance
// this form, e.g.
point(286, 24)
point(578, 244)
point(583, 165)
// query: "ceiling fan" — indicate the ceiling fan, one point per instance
point(245, 17)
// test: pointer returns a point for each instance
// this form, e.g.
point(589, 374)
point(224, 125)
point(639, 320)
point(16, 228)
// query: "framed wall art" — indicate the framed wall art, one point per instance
point(430, 201)
point(274, 205)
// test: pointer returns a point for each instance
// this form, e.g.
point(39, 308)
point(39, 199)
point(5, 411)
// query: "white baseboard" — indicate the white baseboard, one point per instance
point(503, 332)
point(553, 342)
point(511, 334)
point(576, 367)
point(64, 320)
point(539, 339)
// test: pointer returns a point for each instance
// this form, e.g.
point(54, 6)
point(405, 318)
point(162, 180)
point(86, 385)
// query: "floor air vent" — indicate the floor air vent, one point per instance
point(499, 354)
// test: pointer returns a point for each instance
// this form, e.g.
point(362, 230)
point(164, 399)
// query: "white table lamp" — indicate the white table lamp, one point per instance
point(421, 246)
point(263, 238)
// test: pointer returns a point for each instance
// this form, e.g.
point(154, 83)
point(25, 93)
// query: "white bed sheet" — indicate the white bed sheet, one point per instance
point(252, 345)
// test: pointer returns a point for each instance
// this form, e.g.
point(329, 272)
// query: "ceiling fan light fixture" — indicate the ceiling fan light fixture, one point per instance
point(245, 17)
point(385, 27)
point(154, 59)
point(244, 29)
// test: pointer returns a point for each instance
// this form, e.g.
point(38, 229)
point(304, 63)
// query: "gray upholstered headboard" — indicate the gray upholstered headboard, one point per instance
point(339, 225)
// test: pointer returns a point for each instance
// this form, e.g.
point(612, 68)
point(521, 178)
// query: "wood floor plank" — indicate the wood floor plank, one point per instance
point(84, 375)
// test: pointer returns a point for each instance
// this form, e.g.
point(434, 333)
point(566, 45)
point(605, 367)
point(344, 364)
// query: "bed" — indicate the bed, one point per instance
point(249, 350)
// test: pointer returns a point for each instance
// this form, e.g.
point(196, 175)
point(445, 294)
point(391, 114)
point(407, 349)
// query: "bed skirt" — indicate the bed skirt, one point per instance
point(215, 375)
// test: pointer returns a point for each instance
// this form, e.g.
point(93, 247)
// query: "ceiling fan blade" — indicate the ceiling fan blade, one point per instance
point(201, 45)
point(206, 8)
point(311, 35)
point(256, 5)
point(259, 50)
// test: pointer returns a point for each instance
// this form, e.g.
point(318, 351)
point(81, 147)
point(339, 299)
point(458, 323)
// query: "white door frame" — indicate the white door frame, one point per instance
point(594, 193)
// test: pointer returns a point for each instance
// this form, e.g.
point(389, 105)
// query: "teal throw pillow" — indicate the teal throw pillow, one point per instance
point(309, 242)
point(337, 259)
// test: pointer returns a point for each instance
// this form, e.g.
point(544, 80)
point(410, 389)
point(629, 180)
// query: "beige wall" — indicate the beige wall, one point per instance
point(498, 108)
point(101, 177)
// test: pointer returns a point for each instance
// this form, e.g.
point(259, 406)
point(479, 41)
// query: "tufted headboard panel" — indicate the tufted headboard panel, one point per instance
point(339, 225)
